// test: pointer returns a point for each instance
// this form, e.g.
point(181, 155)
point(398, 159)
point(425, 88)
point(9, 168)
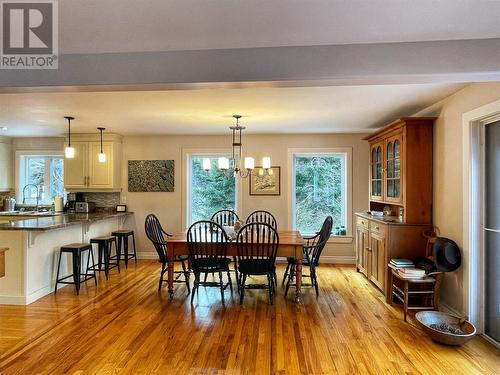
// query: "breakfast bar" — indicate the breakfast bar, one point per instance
point(34, 241)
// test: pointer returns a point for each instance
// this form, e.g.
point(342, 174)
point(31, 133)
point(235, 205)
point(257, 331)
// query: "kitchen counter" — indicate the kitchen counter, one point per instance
point(34, 241)
point(391, 220)
point(58, 220)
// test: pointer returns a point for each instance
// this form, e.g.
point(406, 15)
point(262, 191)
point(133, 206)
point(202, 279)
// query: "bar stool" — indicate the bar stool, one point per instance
point(76, 250)
point(123, 237)
point(104, 247)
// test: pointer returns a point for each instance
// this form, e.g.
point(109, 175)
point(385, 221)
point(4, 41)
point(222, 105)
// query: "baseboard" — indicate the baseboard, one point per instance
point(327, 259)
point(149, 255)
point(10, 300)
point(338, 259)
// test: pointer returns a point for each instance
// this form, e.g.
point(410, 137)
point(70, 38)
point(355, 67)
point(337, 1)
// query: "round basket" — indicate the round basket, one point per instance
point(426, 318)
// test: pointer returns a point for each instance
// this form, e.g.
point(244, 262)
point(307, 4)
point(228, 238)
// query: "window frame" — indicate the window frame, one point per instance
point(188, 154)
point(20, 170)
point(345, 152)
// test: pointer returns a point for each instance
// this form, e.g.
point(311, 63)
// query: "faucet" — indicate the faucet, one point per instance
point(37, 194)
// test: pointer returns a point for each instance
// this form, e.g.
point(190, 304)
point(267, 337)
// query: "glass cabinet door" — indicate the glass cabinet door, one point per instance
point(376, 172)
point(393, 169)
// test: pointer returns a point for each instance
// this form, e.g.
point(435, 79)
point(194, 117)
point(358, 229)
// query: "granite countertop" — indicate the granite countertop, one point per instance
point(59, 221)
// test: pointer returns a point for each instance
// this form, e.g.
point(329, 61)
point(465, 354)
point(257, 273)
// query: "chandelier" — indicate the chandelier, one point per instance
point(233, 166)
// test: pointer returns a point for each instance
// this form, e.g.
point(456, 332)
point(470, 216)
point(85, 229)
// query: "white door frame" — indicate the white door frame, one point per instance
point(473, 218)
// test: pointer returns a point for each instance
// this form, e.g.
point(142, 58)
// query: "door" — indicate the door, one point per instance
point(362, 252)
point(378, 264)
point(376, 166)
point(393, 183)
point(75, 169)
point(492, 231)
point(100, 174)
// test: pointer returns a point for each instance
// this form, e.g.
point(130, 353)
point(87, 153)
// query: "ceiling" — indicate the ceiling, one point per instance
point(166, 25)
point(328, 109)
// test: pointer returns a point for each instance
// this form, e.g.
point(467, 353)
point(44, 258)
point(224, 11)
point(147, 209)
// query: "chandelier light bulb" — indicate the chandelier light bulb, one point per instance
point(102, 157)
point(249, 163)
point(266, 162)
point(223, 163)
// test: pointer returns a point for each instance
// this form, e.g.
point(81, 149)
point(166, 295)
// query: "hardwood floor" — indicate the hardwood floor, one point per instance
point(125, 326)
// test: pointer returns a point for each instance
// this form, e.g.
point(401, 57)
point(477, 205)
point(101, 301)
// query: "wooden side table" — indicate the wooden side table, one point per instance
point(426, 288)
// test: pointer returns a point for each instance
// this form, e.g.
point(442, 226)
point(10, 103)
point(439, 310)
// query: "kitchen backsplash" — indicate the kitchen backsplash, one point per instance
point(105, 200)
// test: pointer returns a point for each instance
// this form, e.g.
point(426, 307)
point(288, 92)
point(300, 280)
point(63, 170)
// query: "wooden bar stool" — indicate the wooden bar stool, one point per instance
point(104, 247)
point(123, 239)
point(76, 250)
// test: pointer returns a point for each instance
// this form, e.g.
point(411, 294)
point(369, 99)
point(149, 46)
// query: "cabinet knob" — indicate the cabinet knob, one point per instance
point(377, 228)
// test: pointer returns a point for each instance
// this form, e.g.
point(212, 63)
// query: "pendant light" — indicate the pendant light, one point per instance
point(102, 155)
point(69, 152)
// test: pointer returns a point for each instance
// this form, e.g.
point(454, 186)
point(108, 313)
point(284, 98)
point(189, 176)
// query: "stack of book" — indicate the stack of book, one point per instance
point(411, 273)
point(401, 263)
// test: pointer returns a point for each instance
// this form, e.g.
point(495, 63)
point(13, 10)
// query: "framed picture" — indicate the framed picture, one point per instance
point(265, 182)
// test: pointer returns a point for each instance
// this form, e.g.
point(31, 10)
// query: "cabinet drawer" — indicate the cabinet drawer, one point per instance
point(363, 222)
point(378, 228)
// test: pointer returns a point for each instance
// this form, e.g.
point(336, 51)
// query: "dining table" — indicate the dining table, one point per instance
point(291, 244)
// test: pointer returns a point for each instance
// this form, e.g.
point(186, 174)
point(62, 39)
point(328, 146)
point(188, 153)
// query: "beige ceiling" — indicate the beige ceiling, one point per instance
point(208, 111)
point(165, 25)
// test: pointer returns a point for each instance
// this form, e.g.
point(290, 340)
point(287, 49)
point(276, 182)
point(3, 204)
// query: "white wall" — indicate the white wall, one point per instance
point(168, 206)
point(448, 209)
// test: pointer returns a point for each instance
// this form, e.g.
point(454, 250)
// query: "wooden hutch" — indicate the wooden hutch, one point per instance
point(401, 181)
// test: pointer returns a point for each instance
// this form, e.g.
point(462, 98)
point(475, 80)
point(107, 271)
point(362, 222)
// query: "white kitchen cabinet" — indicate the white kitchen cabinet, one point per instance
point(5, 164)
point(85, 173)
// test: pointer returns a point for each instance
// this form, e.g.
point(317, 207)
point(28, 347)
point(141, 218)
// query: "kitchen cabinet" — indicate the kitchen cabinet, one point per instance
point(401, 168)
point(5, 164)
point(362, 247)
point(84, 172)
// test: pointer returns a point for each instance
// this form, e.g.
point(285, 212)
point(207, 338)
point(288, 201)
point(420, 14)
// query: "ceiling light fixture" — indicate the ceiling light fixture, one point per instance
point(69, 152)
point(102, 155)
point(237, 157)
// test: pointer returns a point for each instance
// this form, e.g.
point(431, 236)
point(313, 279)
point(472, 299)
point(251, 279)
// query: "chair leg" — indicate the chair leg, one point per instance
point(135, 251)
point(314, 280)
point(104, 250)
point(290, 277)
point(163, 268)
point(58, 268)
point(242, 288)
point(196, 285)
point(76, 271)
point(221, 283)
point(125, 249)
point(286, 273)
point(229, 280)
point(186, 276)
point(235, 261)
point(116, 251)
point(270, 282)
point(91, 255)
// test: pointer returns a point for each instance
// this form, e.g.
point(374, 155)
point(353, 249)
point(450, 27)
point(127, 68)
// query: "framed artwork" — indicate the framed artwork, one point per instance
point(265, 183)
point(150, 175)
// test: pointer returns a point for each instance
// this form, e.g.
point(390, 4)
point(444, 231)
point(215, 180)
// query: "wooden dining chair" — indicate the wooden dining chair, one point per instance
point(257, 245)
point(312, 250)
point(207, 245)
point(262, 216)
point(155, 232)
point(227, 218)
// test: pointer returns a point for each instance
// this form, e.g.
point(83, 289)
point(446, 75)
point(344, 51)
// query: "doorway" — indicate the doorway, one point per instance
point(491, 231)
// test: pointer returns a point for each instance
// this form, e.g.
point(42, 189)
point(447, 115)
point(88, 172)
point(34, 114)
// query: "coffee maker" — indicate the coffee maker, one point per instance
point(71, 200)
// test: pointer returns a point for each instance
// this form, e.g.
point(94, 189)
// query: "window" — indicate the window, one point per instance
point(319, 189)
point(44, 171)
point(208, 192)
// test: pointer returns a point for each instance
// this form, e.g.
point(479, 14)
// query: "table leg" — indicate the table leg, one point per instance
point(298, 277)
point(170, 273)
point(405, 305)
